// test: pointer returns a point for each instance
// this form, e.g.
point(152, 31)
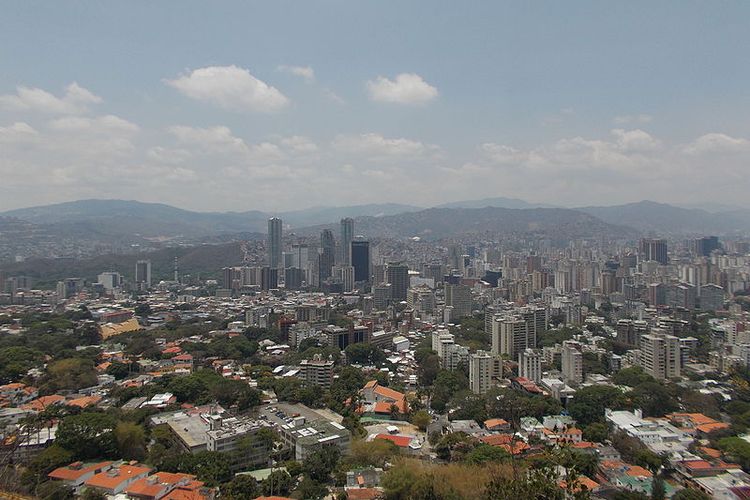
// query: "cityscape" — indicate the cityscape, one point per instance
point(352, 316)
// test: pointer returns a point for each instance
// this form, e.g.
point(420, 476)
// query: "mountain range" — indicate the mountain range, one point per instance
point(123, 219)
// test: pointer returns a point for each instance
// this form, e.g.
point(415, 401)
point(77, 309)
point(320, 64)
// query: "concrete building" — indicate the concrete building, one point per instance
point(459, 298)
point(530, 365)
point(347, 235)
point(238, 437)
point(572, 362)
point(397, 274)
point(317, 371)
point(661, 355)
point(273, 246)
point(484, 370)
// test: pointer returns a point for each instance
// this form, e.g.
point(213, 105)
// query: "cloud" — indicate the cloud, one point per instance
point(299, 144)
point(18, 132)
point(627, 119)
point(333, 96)
point(96, 124)
point(406, 88)
point(231, 88)
point(75, 100)
point(717, 143)
point(373, 145)
point(304, 72)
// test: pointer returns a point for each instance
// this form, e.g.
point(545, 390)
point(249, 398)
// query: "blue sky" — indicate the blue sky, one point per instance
point(283, 105)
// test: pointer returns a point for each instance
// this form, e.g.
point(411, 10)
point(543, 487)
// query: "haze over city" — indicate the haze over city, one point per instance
point(282, 105)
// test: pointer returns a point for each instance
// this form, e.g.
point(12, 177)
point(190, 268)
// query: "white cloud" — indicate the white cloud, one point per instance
point(18, 132)
point(304, 72)
point(75, 100)
point(717, 143)
point(373, 145)
point(333, 96)
point(626, 119)
point(406, 88)
point(299, 144)
point(95, 124)
point(231, 88)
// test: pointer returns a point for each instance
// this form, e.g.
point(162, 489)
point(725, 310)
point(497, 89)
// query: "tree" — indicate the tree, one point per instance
point(654, 399)
point(421, 419)
point(658, 491)
point(486, 453)
point(50, 459)
point(118, 370)
point(92, 494)
point(632, 376)
point(596, 432)
point(738, 449)
point(690, 494)
point(131, 441)
point(88, 435)
point(319, 464)
point(363, 353)
point(241, 487)
point(16, 361)
point(373, 453)
point(54, 490)
point(278, 483)
point(71, 374)
point(590, 402)
point(311, 489)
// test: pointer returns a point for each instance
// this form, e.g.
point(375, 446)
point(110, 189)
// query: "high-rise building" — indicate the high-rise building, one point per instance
point(629, 332)
point(143, 274)
point(397, 275)
point(347, 235)
point(510, 335)
point(530, 364)
point(660, 355)
point(704, 246)
point(273, 246)
point(484, 369)
point(345, 274)
point(269, 278)
point(110, 280)
point(327, 257)
point(459, 298)
point(360, 255)
point(654, 249)
point(572, 362)
point(381, 296)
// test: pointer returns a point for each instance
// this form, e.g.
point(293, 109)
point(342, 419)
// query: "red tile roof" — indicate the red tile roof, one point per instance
point(400, 441)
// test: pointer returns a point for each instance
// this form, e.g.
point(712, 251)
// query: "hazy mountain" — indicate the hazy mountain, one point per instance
point(499, 202)
point(558, 224)
point(322, 215)
point(660, 218)
point(116, 218)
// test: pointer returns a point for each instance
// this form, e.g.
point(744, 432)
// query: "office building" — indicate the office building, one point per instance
point(234, 438)
point(347, 235)
point(572, 362)
point(273, 246)
point(360, 256)
point(327, 257)
point(654, 249)
point(459, 298)
point(711, 298)
point(629, 332)
point(530, 365)
point(110, 280)
point(381, 296)
point(269, 278)
point(397, 274)
point(143, 275)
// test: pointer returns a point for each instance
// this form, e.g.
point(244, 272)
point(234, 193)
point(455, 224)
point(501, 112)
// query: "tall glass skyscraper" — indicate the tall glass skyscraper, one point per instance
point(274, 243)
point(360, 252)
point(347, 235)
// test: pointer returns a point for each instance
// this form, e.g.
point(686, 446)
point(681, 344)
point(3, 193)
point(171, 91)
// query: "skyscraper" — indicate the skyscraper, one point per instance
point(398, 276)
point(459, 298)
point(347, 235)
point(656, 250)
point(274, 243)
point(327, 258)
point(530, 364)
point(661, 355)
point(360, 255)
point(143, 274)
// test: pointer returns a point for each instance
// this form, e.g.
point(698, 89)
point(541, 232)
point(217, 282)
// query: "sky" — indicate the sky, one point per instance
point(284, 105)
